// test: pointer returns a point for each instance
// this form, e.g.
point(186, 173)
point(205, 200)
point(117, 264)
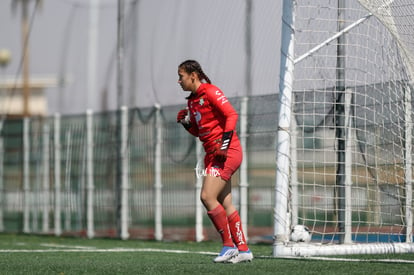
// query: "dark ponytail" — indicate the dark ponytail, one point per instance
point(190, 66)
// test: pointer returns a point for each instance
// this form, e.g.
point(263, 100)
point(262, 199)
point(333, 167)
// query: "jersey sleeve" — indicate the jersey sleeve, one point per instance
point(193, 129)
point(223, 105)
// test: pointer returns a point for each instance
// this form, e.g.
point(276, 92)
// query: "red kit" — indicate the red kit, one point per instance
point(211, 114)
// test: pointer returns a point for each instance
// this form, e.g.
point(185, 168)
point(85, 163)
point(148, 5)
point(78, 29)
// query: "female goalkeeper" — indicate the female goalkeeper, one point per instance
point(210, 117)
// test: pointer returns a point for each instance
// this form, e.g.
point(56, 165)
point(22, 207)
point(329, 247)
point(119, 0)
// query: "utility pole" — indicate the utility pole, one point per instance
point(26, 57)
point(92, 53)
point(120, 88)
point(340, 132)
point(25, 51)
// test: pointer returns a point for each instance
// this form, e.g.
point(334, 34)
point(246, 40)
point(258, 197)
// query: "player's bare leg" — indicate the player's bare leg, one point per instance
point(213, 186)
point(210, 191)
point(225, 198)
point(236, 230)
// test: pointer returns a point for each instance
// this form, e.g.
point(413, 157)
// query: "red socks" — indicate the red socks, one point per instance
point(219, 219)
point(230, 228)
point(237, 231)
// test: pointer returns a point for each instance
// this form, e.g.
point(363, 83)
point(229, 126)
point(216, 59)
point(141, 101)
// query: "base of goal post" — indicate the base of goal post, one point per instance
point(311, 249)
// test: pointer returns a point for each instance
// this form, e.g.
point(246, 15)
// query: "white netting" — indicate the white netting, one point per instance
point(398, 17)
point(372, 62)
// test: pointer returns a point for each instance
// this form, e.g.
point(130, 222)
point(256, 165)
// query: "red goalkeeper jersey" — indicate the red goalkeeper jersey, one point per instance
point(211, 114)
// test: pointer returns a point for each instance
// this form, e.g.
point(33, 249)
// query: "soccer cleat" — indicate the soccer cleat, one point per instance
point(243, 256)
point(226, 253)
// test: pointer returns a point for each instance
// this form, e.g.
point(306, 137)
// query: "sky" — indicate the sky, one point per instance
point(75, 42)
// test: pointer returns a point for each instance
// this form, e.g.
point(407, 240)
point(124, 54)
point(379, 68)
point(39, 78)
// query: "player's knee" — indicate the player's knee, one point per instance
point(204, 197)
point(207, 199)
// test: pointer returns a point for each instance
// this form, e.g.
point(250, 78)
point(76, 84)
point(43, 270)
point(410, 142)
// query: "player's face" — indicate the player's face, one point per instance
point(185, 80)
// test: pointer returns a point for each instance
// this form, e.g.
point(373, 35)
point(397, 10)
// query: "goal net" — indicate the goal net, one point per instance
point(344, 150)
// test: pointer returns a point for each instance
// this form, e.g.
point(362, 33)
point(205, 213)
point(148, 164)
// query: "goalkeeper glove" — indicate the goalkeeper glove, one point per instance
point(184, 118)
point(221, 151)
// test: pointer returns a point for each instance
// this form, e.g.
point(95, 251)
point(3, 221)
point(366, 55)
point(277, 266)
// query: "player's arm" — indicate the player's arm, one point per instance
point(183, 117)
point(230, 115)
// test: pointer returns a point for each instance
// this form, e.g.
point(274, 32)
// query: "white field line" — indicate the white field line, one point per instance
point(86, 249)
point(95, 250)
point(66, 246)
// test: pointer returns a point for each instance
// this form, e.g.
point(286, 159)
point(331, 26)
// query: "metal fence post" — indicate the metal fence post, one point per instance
point(244, 182)
point(46, 182)
point(199, 236)
point(57, 210)
point(26, 171)
point(124, 173)
point(158, 170)
point(90, 231)
point(2, 196)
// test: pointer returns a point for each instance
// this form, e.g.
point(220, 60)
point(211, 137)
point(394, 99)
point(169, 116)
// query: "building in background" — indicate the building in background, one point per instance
point(12, 96)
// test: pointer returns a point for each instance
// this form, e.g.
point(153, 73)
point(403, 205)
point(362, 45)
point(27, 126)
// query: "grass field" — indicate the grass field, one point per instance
point(27, 254)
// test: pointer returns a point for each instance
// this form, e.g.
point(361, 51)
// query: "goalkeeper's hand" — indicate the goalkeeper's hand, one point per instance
point(184, 118)
point(221, 151)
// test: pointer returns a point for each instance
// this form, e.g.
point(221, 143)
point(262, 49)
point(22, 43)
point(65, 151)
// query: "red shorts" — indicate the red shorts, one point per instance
point(224, 169)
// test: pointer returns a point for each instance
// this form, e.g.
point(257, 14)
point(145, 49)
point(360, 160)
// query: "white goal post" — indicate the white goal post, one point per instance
point(344, 144)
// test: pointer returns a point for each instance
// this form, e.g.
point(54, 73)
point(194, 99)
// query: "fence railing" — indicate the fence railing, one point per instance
point(128, 173)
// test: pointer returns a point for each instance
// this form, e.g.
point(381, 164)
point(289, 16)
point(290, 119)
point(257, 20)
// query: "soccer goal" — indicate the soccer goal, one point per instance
point(344, 149)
